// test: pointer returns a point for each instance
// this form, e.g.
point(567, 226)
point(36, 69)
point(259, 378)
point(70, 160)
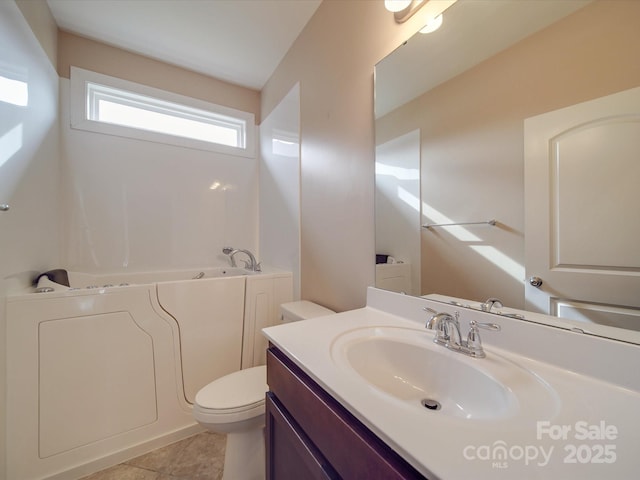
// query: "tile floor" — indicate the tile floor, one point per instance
point(200, 457)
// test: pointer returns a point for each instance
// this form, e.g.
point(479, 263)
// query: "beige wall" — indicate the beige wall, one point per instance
point(43, 25)
point(99, 57)
point(333, 59)
point(472, 137)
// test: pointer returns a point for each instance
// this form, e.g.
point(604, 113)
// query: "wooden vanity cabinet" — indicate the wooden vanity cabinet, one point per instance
point(309, 435)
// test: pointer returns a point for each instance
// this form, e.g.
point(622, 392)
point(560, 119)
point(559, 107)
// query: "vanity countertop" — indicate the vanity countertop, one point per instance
point(559, 422)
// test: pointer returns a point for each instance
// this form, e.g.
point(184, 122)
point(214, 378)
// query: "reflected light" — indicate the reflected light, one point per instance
point(432, 25)
point(457, 231)
point(10, 143)
point(397, 172)
point(285, 144)
point(495, 256)
point(409, 198)
point(219, 186)
point(284, 148)
point(13, 91)
point(500, 260)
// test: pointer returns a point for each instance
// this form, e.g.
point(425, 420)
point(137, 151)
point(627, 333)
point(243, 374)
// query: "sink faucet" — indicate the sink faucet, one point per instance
point(252, 264)
point(447, 328)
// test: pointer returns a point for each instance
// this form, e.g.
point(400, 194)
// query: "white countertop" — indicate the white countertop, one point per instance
point(445, 447)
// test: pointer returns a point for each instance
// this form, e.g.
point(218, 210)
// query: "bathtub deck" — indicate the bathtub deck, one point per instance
point(200, 457)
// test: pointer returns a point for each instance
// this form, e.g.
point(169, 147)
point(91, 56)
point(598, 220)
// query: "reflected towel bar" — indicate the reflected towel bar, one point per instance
point(429, 225)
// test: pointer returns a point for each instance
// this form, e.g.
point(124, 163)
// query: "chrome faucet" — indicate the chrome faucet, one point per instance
point(252, 264)
point(447, 328)
point(490, 303)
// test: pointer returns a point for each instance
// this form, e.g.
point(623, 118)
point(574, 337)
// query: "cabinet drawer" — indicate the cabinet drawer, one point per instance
point(350, 447)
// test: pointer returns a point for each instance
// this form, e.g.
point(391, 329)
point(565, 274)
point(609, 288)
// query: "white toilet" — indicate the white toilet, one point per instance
point(234, 404)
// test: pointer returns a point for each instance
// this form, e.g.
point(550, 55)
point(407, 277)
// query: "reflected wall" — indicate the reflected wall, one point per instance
point(398, 214)
point(472, 142)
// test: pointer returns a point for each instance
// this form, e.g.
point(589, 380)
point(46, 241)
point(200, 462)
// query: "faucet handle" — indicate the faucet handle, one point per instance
point(486, 326)
point(250, 266)
point(474, 344)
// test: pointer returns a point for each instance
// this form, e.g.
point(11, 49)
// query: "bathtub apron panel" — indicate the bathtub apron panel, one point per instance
point(88, 374)
point(100, 374)
point(79, 373)
point(209, 313)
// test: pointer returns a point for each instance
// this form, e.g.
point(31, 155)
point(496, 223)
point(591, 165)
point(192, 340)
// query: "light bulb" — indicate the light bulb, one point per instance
point(432, 25)
point(396, 5)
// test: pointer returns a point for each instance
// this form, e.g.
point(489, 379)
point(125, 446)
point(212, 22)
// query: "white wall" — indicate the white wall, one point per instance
point(280, 187)
point(29, 231)
point(142, 206)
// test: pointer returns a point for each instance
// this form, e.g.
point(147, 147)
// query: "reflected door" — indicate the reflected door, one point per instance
point(582, 211)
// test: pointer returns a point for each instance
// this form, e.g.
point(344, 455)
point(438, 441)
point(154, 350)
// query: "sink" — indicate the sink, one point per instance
point(405, 365)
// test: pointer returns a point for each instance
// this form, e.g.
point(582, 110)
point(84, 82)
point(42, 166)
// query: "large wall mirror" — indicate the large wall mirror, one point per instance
point(471, 130)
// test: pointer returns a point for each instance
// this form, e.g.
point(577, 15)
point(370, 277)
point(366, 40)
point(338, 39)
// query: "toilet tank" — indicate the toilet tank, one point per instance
point(302, 310)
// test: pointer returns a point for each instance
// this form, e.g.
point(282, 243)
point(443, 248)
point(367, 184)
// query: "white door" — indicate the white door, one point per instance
point(582, 211)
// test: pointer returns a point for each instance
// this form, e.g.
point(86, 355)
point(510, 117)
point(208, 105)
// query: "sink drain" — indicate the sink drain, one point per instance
point(431, 404)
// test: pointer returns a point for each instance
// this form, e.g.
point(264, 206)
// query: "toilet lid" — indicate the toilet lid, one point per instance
point(238, 389)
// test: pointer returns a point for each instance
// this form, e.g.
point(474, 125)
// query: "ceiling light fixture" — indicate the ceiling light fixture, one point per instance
point(431, 14)
point(396, 5)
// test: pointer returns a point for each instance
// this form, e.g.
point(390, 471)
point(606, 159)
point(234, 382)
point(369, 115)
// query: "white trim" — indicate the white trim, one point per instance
point(80, 111)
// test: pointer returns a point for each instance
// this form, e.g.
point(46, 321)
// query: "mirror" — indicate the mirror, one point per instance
point(450, 108)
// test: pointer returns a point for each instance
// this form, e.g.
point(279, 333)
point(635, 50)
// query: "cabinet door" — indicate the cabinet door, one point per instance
point(352, 450)
point(290, 453)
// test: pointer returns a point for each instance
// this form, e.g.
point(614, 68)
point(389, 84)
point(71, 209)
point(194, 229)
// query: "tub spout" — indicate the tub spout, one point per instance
point(252, 264)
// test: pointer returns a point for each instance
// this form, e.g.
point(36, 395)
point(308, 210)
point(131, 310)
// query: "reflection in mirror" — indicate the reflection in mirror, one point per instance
point(459, 100)
point(398, 203)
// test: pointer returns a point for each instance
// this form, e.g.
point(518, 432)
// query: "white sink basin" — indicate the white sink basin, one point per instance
point(407, 366)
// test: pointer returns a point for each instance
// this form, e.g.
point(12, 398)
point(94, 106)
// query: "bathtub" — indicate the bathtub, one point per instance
point(108, 368)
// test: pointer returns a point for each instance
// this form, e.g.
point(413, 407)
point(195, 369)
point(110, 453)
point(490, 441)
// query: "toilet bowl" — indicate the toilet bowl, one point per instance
point(235, 405)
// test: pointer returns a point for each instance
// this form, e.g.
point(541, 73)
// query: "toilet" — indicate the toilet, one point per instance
point(235, 405)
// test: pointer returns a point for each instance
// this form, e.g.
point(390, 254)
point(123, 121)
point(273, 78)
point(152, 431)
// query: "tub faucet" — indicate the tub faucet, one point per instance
point(489, 303)
point(252, 264)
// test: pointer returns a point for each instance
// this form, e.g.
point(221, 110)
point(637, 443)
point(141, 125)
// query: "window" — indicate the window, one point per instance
point(113, 106)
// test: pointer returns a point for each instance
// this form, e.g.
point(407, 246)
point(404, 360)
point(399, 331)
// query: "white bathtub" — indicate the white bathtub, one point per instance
point(108, 369)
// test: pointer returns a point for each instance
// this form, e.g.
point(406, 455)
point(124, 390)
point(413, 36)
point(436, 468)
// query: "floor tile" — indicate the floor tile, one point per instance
point(124, 472)
point(200, 457)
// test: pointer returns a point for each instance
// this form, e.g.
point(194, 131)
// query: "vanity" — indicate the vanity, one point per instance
point(368, 394)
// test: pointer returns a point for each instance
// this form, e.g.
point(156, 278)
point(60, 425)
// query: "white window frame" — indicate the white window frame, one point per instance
point(87, 87)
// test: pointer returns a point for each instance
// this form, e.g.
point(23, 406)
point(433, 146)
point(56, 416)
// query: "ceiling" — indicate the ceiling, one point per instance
point(239, 41)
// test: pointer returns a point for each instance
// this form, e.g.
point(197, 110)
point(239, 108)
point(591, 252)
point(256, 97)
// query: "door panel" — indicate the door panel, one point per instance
point(582, 210)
